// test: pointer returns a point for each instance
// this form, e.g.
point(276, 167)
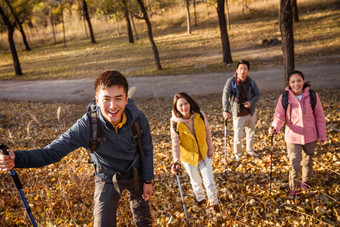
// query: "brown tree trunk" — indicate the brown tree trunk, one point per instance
point(117, 27)
point(87, 36)
point(10, 30)
point(128, 23)
point(207, 6)
point(62, 21)
point(286, 28)
point(134, 27)
point(24, 39)
point(87, 17)
point(295, 11)
point(15, 57)
point(152, 42)
point(228, 14)
point(224, 33)
point(244, 5)
point(195, 13)
point(52, 24)
point(188, 16)
point(19, 24)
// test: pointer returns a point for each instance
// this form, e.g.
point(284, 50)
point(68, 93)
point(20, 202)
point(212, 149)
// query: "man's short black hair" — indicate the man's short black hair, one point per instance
point(243, 62)
point(110, 78)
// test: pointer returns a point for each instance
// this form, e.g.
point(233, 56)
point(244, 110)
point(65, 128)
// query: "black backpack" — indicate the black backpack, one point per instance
point(97, 139)
point(234, 87)
point(97, 132)
point(285, 100)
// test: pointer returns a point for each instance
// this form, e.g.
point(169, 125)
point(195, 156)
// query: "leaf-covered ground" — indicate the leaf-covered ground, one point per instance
point(62, 194)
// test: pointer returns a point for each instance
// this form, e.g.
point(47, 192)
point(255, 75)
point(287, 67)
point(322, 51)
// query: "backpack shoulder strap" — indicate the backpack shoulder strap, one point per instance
point(312, 98)
point(201, 115)
point(138, 135)
point(234, 85)
point(96, 130)
point(285, 100)
point(174, 126)
point(252, 86)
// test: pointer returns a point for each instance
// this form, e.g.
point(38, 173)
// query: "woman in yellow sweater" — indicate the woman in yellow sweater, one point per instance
point(192, 146)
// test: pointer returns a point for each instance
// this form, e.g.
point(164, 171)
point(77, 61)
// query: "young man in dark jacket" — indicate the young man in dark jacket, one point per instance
point(239, 96)
point(112, 158)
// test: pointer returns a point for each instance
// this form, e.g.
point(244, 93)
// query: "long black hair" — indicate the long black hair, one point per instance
point(307, 83)
point(194, 107)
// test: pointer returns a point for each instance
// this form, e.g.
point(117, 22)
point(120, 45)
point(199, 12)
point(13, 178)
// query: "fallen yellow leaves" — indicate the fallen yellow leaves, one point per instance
point(62, 194)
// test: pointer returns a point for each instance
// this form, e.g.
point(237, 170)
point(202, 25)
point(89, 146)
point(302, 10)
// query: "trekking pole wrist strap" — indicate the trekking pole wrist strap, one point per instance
point(177, 164)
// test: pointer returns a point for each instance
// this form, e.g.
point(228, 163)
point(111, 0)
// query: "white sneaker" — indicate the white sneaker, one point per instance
point(253, 154)
point(237, 158)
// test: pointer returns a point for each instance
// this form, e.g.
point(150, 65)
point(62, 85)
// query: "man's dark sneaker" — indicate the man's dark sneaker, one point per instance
point(292, 194)
point(216, 208)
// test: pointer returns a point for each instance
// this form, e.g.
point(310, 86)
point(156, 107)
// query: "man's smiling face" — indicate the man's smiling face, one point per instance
point(112, 102)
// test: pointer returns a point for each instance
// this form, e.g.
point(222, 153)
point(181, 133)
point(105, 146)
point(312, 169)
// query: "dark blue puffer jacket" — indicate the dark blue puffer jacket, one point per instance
point(116, 154)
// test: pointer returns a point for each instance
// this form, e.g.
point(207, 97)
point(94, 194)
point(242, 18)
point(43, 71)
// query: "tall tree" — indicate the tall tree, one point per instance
point(23, 34)
point(134, 27)
point(207, 6)
point(188, 16)
point(52, 22)
point(244, 6)
point(20, 13)
point(128, 22)
point(228, 14)
point(224, 32)
point(10, 25)
point(87, 18)
point(59, 13)
point(286, 28)
point(117, 10)
point(295, 11)
point(152, 42)
point(195, 13)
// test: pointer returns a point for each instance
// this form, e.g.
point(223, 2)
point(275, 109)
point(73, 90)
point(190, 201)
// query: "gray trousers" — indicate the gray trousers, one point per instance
point(300, 157)
point(106, 200)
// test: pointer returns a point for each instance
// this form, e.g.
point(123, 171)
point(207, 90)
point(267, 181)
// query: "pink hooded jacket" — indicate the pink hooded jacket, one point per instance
point(302, 126)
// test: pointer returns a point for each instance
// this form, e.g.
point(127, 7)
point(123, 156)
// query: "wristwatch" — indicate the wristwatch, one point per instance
point(147, 182)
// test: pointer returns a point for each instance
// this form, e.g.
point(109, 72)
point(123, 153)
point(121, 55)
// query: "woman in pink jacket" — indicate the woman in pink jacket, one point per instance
point(304, 126)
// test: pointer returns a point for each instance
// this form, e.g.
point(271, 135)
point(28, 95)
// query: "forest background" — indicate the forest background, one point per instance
point(53, 192)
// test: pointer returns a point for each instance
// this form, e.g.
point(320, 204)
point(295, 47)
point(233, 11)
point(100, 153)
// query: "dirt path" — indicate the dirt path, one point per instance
point(81, 91)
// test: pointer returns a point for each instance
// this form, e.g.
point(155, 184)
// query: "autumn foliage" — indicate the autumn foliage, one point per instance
point(62, 194)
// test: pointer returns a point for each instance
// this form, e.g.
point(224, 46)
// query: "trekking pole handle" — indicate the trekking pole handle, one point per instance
point(272, 140)
point(3, 149)
point(179, 169)
point(225, 121)
point(17, 182)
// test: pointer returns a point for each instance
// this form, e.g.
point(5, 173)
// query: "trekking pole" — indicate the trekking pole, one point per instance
point(271, 163)
point(180, 190)
point(14, 175)
point(225, 147)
